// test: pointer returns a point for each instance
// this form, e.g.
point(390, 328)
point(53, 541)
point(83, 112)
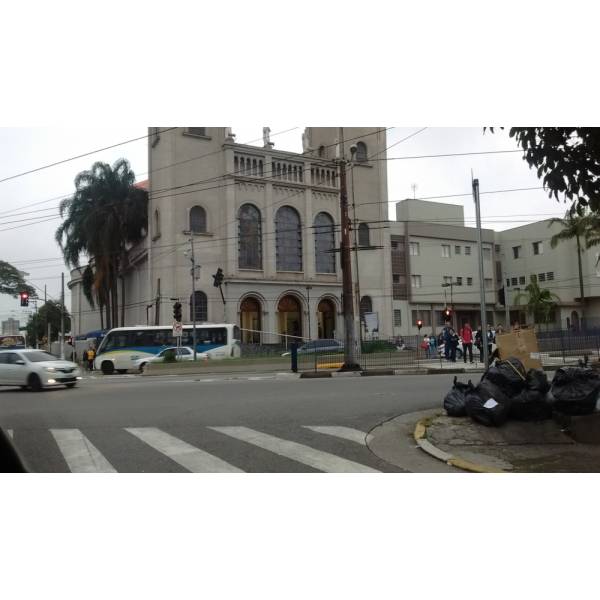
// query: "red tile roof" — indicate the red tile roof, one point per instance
point(142, 185)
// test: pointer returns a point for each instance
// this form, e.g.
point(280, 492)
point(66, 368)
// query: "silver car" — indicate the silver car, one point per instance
point(36, 369)
point(183, 353)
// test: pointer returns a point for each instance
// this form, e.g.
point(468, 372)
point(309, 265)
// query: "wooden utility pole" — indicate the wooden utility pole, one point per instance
point(350, 345)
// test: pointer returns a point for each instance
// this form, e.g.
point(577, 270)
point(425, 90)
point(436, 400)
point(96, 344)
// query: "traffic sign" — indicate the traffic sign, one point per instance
point(177, 329)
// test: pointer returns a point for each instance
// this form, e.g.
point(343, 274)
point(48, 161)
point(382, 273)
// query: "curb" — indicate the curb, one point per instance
point(384, 372)
point(420, 436)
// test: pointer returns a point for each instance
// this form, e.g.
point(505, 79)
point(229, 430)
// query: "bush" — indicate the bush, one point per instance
point(170, 356)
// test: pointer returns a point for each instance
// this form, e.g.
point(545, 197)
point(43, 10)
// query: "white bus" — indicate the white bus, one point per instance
point(122, 346)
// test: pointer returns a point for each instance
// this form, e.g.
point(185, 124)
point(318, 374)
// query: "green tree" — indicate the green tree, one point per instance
point(540, 303)
point(49, 313)
point(102, 220)
point(12, 281)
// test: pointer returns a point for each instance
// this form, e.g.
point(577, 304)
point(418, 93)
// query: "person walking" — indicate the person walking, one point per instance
point(446, 338)
point(452, 343)
point(432, 345)
point(479, 342)
point(90, 355)
point(466, 333)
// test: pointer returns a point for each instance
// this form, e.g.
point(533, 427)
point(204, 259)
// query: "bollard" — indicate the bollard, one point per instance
point(294, 355)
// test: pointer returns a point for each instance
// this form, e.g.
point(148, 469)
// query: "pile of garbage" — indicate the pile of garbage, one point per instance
point(508, 391)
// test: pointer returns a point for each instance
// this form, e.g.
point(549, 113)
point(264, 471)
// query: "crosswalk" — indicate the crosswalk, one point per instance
point(210, 449)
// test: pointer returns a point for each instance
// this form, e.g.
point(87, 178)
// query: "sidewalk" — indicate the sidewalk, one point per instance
point(542, 447)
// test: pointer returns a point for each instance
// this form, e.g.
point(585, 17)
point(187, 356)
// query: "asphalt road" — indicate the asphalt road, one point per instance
point(266, 423)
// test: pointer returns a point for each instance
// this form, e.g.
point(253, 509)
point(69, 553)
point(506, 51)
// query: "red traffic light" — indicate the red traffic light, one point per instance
point(24, 295)
point(419, 323)
point(447, 312)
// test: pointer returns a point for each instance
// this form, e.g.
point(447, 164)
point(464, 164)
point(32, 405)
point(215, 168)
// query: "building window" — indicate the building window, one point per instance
point(533, 278)
point(487, 254)
point(469, 281)
point(250, 238)
point(497, 248)
point(197, 131)
point(538, 248)
point(542, 277)
point(201, 306)
point(459, 280)
point(366, 306)
point(516, 252)
point(363, 235)
point(457, 250)
point(447, 279)
point(488, 284)
point(522, 280)
point(361, 152)
point(396, 278)
point(445, 251)
point(156, 223)
point(424, 315)
point(514, 281)
point(288, 239)
point(414, 248)
point(394, 245)
point(324, 243)
point(415, 281)
point(508, 283)
point(550, 276)
point(197, 219)
point(397, 318)
point(467, 250)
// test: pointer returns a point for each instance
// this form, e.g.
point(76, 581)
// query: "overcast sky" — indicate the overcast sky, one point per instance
point(29, 245)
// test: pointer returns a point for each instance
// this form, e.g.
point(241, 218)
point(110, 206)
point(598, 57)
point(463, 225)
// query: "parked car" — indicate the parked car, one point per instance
point(184, 353)
point(319, 346)
point(36, 369)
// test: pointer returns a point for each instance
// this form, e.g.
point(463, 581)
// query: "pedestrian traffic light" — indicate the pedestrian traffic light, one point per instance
point(24, 299)
point(218, 278)
point(177, 312)
point(447, 313)
point(419, 324)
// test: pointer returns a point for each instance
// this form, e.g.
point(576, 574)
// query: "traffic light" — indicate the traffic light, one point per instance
point(24, 299)
point(177, 312)
point(447, 313)
point(419, 324)
point(218, 278)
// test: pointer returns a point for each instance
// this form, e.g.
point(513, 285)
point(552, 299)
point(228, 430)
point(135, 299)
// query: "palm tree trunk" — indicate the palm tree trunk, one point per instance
point(122, 300)
point(581, 295)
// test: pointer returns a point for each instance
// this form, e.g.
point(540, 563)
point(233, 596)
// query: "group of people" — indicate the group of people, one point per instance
point(450, 340)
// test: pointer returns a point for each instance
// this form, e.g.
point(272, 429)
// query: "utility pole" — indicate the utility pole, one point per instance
point(62, 316)
point(193, 271)
point(357, 284)
point(350, 362)
point(506, 302)
point(308, 288)
point(47, 324)
point(484, 339)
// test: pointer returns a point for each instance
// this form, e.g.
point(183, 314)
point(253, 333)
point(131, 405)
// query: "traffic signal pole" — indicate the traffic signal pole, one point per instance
point(62, 316)
point(484, 339)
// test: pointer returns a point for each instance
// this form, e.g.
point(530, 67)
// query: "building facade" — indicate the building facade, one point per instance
point(10, 326)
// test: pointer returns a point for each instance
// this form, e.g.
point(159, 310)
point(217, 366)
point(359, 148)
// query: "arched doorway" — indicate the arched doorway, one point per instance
point(289, 315)
point(251, 320)
point(326, 319)
point(575, 320)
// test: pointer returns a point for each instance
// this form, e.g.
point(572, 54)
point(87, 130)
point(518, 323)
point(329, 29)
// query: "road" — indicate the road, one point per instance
point(265, 423)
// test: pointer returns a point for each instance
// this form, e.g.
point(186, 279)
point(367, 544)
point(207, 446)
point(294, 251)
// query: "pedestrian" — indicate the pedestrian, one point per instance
point(446, 338)
point(466, 333)
point(479, 342)
point(491, 334)
point(425, 345)
point(499, 330)
point(432, 345)
point(90, 355)
point(452, 343)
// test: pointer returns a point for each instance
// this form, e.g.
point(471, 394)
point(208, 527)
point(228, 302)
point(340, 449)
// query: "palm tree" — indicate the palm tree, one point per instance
point(104, 218)
point(539, 302)
point(576, 224)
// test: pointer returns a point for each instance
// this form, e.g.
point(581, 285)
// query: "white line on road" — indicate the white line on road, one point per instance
point(184, 454)
point(323, 461)
point(346, 433)
point(79, 453)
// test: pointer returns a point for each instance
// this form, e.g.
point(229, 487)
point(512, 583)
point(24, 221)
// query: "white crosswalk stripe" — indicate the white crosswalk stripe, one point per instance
point(79, 453)
point(323, 461)
point(184, 454)
point(345, 433)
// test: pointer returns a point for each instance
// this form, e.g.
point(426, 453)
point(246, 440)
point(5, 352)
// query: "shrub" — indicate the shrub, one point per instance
point(170, 356)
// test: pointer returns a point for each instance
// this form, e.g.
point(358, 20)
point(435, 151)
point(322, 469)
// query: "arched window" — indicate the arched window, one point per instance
point(250, 238)
point(201, 306)
point(363, 235)
point(156, 223)
point(288, 239)
point(324, 243)
point(197, 219)
point(361, 152)
point(366, 306)
point(321, 151)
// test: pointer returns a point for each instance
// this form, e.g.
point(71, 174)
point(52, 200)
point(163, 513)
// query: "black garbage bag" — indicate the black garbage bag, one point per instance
point(537, 381)
point(509, 375)
point(455, 402)
point(488, 404)
point(530, 405)
point(575, 390)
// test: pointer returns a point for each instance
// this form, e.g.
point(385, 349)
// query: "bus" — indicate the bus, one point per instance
point(123, 346)
point(12, 342)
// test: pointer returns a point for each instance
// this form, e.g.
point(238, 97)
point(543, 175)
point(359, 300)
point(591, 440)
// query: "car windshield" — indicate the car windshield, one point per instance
point(39, 356)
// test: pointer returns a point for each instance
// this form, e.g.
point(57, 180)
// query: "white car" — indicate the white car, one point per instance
point(184, 353)
point(36, 369)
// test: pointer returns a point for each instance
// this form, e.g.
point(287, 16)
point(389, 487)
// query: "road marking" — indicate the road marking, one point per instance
point(79, 453)
point(184, 454)
point(323, 461)
point(346, 433)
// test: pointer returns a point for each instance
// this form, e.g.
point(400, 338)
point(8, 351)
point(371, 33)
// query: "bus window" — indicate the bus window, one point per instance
point(116, 339)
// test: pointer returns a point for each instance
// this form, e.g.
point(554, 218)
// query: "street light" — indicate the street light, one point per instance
point(451, 285)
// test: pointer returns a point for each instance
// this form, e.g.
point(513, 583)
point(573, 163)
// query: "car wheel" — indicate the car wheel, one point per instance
point(35, 383)
point(107, 367)
point(24, 387)
point(70, 385)
point(142, 367)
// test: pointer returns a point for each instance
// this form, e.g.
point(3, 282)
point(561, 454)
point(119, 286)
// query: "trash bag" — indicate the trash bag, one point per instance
point(509, 375)
point(456, 398)
point(488, 404)
point(575, 390)
point(537, 381)
point(530, 405)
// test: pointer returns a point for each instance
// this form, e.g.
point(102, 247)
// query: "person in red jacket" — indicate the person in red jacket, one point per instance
point(466, 333)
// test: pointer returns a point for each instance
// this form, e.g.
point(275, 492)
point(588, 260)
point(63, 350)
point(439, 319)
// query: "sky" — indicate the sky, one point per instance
point(30, 246)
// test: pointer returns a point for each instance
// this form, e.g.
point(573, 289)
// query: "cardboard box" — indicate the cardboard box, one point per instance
point(521, 344)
